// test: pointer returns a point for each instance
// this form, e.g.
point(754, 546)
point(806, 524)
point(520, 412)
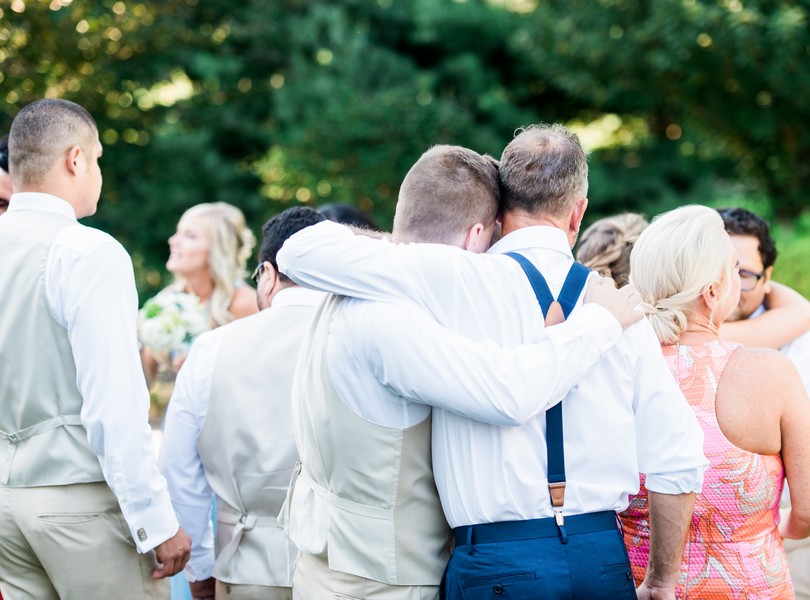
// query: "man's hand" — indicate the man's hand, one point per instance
point(203, 590)
point(172, 555)
point(621, 303)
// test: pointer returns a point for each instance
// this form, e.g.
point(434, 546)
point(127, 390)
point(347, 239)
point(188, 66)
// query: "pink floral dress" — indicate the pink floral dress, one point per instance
point(733, 549)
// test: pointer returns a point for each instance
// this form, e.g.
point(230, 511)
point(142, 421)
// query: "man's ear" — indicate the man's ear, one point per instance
point(73, 160)
point(267, 285)
point(767, 283)
point(477, 238)
point(577, 214)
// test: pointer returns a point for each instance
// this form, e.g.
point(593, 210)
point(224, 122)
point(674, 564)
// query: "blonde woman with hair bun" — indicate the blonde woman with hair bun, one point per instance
point(208, 256)
point(606, 245)
point(750, 403)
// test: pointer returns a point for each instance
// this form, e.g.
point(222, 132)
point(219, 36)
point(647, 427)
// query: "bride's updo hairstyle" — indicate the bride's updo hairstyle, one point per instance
point(680, 254)
point(231, 245)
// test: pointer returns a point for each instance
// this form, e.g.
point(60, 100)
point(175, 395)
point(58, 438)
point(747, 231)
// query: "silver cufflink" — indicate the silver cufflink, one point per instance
point(142, 534)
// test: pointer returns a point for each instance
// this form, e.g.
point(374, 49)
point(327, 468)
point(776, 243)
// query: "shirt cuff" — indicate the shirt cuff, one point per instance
point(679, 482)
point(603, 327)
point(199, 568)
point(153, 526)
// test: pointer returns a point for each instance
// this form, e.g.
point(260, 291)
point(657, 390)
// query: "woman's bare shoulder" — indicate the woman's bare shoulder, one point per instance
point(762, 369)
point(244, 302)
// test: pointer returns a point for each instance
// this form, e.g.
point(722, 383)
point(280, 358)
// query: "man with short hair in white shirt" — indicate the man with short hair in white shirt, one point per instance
point(84, 512)
point(228, 433)
point(364, 511)
point(625, 416)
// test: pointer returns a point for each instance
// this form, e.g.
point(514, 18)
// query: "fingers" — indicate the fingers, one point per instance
point(630, 293)
point(171, 564)
point(169, 568)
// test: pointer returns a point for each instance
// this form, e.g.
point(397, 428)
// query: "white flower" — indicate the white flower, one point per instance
point(171, 320)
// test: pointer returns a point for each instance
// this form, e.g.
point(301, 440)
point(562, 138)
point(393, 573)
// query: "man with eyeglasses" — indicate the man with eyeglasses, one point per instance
point(756, 248)
point(228, 433)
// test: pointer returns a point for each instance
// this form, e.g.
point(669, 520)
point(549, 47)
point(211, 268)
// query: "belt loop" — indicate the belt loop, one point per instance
point(470, 548)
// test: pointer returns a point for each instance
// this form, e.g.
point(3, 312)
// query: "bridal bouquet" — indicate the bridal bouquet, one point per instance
point(170, 321)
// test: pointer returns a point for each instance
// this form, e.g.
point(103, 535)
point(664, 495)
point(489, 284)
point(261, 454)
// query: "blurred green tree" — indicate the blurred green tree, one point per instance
point(267, 103)
point(722, 78)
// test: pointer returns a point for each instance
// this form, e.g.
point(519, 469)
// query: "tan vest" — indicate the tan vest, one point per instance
point(247, 447)
point(42, 441)
point(365, 497)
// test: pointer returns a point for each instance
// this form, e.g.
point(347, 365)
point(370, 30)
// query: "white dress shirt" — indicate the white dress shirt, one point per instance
point(626, 416)
point(179, 457)
point(390, 362)
point(90, 287)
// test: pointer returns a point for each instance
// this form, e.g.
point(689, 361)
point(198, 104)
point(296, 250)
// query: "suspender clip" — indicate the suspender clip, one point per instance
point(558, 517)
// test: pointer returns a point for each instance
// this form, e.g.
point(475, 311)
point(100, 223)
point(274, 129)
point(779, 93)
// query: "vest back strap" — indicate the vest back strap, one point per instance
point(23, 434)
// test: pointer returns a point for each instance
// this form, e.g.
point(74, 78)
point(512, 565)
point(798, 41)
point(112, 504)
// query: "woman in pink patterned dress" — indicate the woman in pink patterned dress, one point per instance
point(751, 405)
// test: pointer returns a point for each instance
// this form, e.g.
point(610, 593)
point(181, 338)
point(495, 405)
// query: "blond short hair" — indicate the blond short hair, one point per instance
point(679, 255)
point(606, 245)
point(231, 245)
point(42, 132)
point(544, 170)
point(447, 191)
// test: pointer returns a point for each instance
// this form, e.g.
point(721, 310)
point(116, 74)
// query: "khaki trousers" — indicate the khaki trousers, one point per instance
point(70, 542)
point(238, 591)
point(314, 580)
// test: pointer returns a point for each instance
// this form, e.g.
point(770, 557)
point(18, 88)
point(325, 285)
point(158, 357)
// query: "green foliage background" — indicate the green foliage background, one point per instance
point(268, 103)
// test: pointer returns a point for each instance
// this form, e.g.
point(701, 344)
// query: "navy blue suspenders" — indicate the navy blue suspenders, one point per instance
point(571, 290)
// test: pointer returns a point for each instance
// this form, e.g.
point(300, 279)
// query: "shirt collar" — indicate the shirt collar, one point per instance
point(538, 236)
point(297, 296)
point(40, 201)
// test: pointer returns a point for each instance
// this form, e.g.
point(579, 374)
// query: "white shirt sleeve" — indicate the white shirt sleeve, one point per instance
point(329, 257)
point(669, 437)
point(421, 361)
point(91, 289)
point(180, 460)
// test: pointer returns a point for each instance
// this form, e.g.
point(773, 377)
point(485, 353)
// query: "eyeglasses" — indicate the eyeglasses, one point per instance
point(257, 273)
point(749, 280)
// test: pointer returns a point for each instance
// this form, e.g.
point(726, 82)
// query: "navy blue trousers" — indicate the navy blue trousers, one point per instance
point(526, 560)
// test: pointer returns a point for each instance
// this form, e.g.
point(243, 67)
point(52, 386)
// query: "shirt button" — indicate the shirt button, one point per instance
point(498, 589)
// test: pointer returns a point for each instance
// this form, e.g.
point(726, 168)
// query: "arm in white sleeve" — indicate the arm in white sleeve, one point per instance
point(180, 460)
point(329, 257)
point(98, 306)
point(669, 437)
point(420, 360)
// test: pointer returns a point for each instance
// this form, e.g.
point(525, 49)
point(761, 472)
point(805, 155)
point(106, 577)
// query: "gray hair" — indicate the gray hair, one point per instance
point(543, 170)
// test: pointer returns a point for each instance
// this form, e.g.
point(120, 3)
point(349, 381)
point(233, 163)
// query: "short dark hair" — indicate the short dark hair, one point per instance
point(4, 153)
point(276, 231)
point(348, 215)
point(41, 132)
point(739, 221)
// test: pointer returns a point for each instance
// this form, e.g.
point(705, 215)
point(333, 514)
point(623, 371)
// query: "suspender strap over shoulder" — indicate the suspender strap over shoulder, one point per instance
point(571, 290)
